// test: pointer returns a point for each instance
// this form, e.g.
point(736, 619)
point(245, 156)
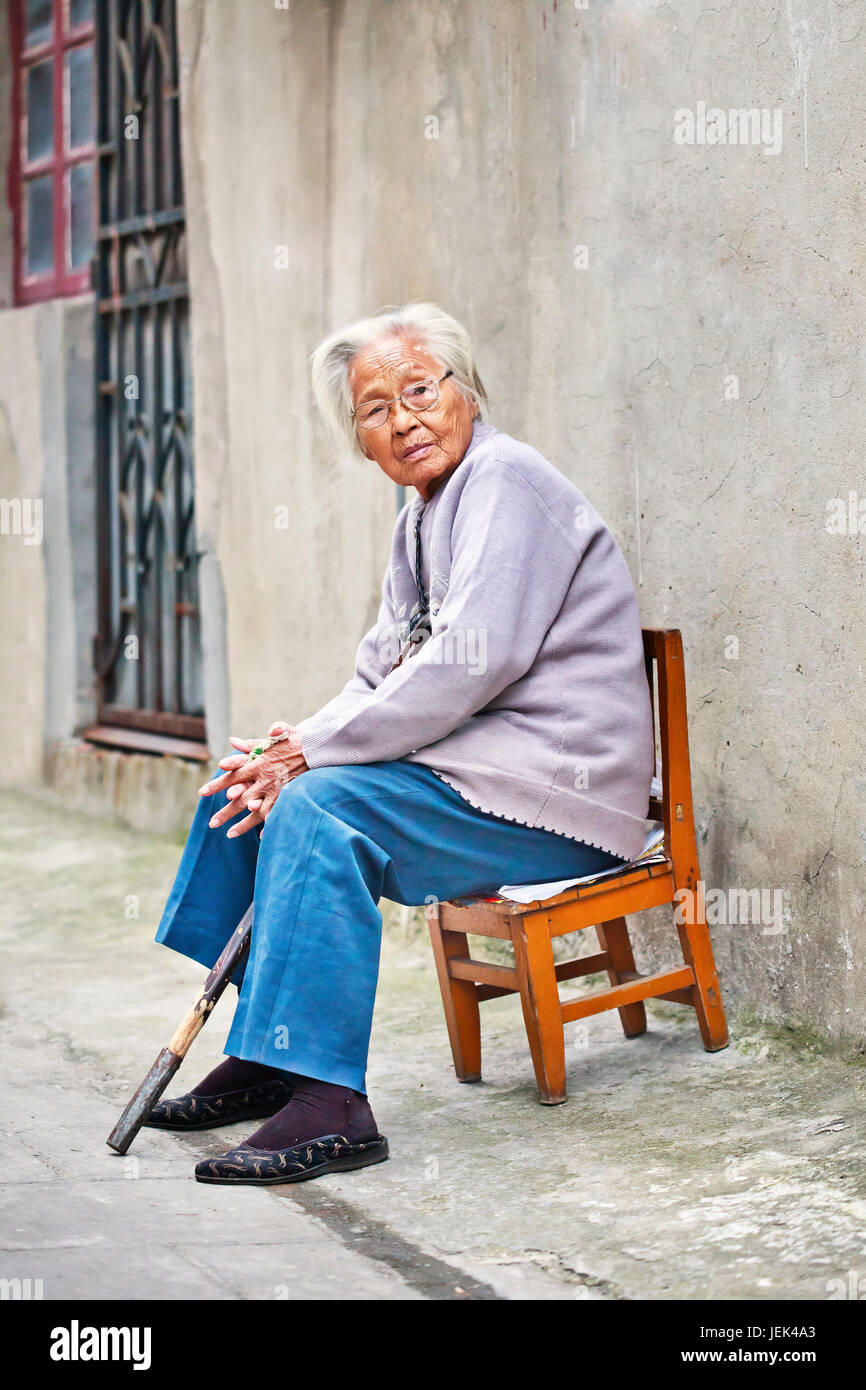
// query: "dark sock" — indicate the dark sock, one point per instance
point(233, 1074)
point(317, 1108)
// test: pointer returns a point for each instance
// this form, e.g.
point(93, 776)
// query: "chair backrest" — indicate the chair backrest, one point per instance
point(663, 656)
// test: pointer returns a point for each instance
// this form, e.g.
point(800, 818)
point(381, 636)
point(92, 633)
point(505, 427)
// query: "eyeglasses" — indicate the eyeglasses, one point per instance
point(420, 396)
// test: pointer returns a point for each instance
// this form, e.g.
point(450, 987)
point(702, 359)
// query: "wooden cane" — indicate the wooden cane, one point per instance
point(188, 1029)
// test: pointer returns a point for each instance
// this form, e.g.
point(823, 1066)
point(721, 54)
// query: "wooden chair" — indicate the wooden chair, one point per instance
point(466, 983)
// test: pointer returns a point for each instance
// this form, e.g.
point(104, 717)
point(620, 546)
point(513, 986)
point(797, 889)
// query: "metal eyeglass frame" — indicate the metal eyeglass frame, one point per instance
point(401, 397)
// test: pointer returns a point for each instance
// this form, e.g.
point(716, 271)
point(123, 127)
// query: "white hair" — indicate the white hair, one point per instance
point(442, 336)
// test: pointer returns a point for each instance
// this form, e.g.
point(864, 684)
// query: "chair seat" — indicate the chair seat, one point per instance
point(633, 873)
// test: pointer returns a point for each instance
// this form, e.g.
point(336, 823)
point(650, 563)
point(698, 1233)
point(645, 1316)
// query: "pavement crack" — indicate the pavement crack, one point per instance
point(555, 1264)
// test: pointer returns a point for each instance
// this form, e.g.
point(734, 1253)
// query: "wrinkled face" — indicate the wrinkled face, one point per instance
point(417, 450)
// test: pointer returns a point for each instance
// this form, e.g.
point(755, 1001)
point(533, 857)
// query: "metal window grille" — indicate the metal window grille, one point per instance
point(148, 656)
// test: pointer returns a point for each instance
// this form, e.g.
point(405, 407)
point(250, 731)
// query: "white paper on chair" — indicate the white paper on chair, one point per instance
point(652, 853)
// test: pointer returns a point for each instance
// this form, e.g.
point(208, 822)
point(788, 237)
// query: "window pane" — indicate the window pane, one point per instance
point(80, 194)
point(40, 225)
point(37, 22)
point(79, 79)
point(40, 111)
point(80, 12)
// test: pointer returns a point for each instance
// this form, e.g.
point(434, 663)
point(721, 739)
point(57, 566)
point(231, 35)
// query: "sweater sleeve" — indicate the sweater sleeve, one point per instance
point(512, 562)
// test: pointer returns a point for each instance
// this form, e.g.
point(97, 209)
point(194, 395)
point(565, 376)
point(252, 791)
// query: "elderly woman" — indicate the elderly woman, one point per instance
point(497, 728)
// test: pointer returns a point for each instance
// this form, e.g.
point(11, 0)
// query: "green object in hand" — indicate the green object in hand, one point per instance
point(265, 743)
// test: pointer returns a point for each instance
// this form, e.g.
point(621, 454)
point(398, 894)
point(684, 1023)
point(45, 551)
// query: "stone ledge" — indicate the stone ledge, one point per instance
point(142, 790)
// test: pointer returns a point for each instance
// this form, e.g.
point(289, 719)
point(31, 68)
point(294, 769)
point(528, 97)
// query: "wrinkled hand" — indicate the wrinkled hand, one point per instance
point(253, 785)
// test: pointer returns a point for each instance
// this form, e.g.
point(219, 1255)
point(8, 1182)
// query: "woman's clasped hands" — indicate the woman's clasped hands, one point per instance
point(253, 784)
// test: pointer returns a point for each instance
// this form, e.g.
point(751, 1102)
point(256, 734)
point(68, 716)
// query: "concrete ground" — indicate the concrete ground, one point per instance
point(670, 1173)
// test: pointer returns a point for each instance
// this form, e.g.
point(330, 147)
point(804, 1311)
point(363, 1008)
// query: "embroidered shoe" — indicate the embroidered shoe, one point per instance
point(208, 1112)
point(261, 1167)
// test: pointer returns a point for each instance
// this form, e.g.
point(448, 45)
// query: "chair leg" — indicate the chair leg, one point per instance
point(459, 999)
point(698, 953)
point(542, 1013)
point(613, 938)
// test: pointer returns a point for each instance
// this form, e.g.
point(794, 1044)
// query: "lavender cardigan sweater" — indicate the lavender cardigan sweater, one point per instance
point(530, 697)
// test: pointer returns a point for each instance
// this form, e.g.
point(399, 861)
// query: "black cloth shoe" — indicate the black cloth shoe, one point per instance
point(262, 1167)
point(208, 1112)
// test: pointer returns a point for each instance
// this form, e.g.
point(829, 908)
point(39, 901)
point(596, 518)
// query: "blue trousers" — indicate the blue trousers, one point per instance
point(338, 840)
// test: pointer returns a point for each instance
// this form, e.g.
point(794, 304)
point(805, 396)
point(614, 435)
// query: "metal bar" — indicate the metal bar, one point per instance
point(175, 160)
point(154, 721)
point(142, 575)
point(159, 517)
point(157, 117)
point(137, 60)
point(179, 459)
point(121, 107)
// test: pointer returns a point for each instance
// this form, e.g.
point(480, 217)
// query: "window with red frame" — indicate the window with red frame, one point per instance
point(52, 189)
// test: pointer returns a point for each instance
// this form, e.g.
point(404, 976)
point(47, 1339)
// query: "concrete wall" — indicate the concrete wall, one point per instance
point(22, 569)
point(698, 370)
point(47, 580)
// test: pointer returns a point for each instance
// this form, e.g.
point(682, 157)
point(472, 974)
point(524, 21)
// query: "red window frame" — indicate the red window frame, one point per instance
point(60, 280)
